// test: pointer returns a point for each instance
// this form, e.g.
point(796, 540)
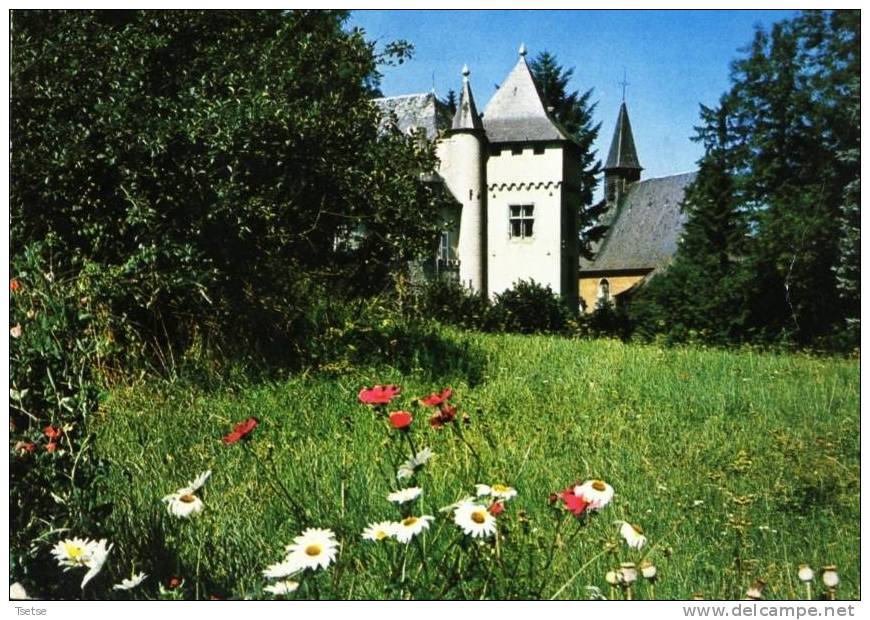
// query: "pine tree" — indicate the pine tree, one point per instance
point(773, 213)
point(575, 113)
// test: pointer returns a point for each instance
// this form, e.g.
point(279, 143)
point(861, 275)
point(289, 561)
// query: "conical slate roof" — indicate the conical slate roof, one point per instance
point(516, 113)
point(466, 116)
point(622, 154)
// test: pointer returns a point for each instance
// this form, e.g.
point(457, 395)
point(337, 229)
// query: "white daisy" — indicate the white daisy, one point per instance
point(475, 520)
point(183, 503)
point(128, 584)
point(314, 548)
point(498, 491)
point(405, 495)
point(409, 527)
point(407, 469)
point(73, 552)
point(379, 531)
point(596, 492)
point(17, 592)
point(280, 588)
point(98, 556)
point(632, 534)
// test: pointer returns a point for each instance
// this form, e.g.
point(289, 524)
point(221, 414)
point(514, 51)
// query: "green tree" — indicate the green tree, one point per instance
point(211, 168)
point(574, 111)
point(789, 143)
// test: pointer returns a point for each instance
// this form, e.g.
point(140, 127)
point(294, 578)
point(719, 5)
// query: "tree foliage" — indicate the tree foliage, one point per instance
point(574, 111)
point(217, 167)
point(770, 250)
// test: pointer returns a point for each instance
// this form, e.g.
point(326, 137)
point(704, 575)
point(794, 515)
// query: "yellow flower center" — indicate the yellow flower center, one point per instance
point(74, 552)
point(598, 485)
point(409, 521)
point(636, 529)
point(187, 499)
point(313, 550)
point(500, 488)
point(479, 516)
point(380, 534)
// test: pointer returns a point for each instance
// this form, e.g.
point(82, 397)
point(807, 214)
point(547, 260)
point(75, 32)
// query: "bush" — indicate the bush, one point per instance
point(62, 347)
point(450, 302)
point(529, 308)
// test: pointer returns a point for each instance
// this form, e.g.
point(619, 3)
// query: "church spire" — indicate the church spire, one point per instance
point(622, 167)
point(466, 116)
point(622, 155)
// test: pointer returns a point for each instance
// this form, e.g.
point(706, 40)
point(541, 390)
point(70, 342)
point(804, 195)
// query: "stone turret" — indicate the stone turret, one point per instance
point(462, 153)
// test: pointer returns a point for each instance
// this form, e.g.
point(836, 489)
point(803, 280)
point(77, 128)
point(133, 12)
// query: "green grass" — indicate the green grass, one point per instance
point(737, 465)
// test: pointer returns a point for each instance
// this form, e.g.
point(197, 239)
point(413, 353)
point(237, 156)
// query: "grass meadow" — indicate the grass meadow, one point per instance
point(738, 466)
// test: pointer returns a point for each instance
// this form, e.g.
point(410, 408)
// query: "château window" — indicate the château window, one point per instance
point(444, 246)
point(517, 150)
point(603, 291)
point(495, 151)
point(539, 150)
point(522, 221)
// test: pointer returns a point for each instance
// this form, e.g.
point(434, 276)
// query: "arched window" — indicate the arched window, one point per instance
point(603, 291)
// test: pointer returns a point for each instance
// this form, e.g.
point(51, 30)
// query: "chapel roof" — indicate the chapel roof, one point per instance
point(646, 228)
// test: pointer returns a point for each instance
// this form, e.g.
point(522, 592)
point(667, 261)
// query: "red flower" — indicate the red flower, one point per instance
point(445, 414)
point(379, 394)
point(52, 432)
point(14, 285)
point(174, 582)
point(496, 509)
point(401, 419)
point(241, 430)
point(51, 446)
point(25, 447)
point(575, 503)
point(437, 399)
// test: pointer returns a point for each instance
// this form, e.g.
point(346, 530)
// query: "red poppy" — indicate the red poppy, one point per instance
point(446, 414)
point(401, 419)
point(174, 582)
point(436, 399)
point(496, 509)
point(52, 432)
point(575, 503)
point(51, 446)
point(379, 394)
point(241, 430)
point(14, 285)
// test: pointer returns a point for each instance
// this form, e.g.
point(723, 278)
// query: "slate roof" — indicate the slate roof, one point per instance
point(647, 226)
point(421, 111)
point(516, 112)
point(622, 153)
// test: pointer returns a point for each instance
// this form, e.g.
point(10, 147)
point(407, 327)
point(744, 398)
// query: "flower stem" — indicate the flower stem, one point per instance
point(809, 591)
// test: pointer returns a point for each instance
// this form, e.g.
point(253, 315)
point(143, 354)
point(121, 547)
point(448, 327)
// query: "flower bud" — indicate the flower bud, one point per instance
point(805, 573)
point(830, 577)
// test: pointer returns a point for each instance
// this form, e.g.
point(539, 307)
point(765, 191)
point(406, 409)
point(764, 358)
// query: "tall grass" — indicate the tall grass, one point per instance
point(737, 465)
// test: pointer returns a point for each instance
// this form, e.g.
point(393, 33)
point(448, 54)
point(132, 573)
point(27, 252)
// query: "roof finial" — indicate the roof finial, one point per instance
point(623, 83)
point(523, 50)
point(465, 71)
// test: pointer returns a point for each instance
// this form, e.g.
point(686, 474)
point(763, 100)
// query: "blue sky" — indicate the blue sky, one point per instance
point(674, 60)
